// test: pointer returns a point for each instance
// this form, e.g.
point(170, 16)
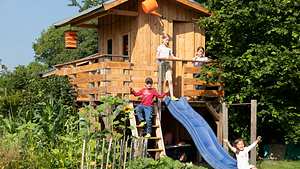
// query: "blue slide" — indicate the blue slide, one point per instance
point(203, 136)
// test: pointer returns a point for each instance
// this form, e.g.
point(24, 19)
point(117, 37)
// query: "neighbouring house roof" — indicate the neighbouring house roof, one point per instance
point(101, 9)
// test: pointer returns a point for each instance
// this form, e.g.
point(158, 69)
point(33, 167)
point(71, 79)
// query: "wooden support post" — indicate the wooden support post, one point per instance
point(160, 87)
point(225, 123)
point(253, 130)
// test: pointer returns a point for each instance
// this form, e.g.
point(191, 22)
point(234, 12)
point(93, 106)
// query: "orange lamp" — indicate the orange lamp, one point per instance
point(71, 39)
point(149, 6)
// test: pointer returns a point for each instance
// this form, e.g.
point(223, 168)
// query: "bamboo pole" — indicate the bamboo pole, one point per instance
point(82, 154)
point(108, 153)
point(116, 143)
point(102, 153)
point(125, 155)
point(121, 155)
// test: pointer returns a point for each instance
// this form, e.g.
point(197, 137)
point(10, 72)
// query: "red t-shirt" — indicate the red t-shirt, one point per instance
point(148, 95)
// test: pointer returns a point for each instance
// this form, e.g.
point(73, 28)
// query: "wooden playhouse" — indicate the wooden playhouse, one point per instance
point(128, 38)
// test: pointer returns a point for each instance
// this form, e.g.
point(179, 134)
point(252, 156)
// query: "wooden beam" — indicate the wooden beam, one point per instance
point(225, 124)
point(110, 5)
point(253, 130)
point(93, 67)
point(92, 26)
point(213, 111)
point(88, 18)
point(193, 81)
point(204, 92)
point(123, 12)
point(101, 77)
point(195, 6)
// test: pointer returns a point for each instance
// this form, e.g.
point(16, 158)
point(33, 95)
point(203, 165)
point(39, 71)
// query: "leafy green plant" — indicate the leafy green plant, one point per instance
point(162, 163)
point(210, 73)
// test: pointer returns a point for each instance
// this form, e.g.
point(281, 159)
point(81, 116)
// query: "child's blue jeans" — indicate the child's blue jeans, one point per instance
point(139, 109)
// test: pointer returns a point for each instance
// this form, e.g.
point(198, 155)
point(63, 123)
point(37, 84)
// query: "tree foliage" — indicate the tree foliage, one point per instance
point(49, 47)
point(85, 4)
point(258, 44)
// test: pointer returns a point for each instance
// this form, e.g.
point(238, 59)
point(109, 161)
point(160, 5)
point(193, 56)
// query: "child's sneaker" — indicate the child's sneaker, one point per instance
point(142, 124)
point(174, 98)
point(148, 135)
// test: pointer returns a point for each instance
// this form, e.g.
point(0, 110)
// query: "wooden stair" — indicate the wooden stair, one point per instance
point(157, 148)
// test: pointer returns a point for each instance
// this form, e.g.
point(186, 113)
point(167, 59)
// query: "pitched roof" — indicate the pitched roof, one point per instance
point(90, 13)
point(100, 10)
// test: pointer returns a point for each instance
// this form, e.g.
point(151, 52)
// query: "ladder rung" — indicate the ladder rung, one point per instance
point(152, 126)
point(153, 138)
point(155, 150)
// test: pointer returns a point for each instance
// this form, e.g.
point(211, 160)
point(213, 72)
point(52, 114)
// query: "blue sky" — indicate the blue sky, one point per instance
point(22, 21)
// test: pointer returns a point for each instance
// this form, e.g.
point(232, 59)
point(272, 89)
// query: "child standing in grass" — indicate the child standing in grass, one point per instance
point(241, 152)
point(148, 94)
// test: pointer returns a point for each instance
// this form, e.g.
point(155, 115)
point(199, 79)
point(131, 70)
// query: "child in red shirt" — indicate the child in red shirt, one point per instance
point(148, 94)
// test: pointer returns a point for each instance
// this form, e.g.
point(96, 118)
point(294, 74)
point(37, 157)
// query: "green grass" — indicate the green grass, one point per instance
point(268, 164)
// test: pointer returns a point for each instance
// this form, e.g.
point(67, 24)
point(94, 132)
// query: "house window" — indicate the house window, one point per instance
point(109, 46)
point(125, 45)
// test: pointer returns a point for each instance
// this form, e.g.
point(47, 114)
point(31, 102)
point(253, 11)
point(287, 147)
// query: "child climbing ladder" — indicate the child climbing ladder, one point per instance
point(145, 109)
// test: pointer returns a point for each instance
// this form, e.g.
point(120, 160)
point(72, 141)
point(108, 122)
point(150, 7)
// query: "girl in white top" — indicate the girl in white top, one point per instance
point(242, 152)
point(200, 57)
point(164, 52)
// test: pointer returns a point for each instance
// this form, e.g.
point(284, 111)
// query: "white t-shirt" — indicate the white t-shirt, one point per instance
point(243, 157)
point(163, 51)
point(200, 59)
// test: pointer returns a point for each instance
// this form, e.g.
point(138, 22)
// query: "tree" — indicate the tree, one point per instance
point(49, 47)
point(258, 44)
point(3, 68)
point(85, 4)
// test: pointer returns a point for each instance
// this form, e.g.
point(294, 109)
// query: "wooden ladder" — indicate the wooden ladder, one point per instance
point(156, 147)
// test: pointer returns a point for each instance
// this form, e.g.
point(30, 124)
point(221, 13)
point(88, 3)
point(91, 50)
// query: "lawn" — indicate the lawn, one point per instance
point(268, 164)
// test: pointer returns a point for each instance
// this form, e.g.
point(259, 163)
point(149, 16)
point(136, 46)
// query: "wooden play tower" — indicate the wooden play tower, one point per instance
point(128, 38)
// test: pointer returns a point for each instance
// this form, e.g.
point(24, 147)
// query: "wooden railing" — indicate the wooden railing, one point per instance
point(99, 75)
point(187, 84)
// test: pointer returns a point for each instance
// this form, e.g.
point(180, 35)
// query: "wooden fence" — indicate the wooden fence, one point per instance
point(111, 153)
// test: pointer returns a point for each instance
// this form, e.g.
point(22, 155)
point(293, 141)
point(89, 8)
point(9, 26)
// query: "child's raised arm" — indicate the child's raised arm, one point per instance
point(230, 146)
point(253, 144)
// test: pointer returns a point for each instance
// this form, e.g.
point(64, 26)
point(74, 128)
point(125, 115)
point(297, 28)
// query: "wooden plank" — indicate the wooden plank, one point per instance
point(191, 69)
point(132, 121)
point(98, 77)
point(139, 79)
point(189, 42)
point(103, 89)
point(195, 6)
point(225, 124)
point(213, 111)
point(253, 130)
point(92, 26)
point(123, 12)
point(158, 132)
point(115, 3)
point(93, 67)
point(194, 81)
point(144, 67)
point(219, 131)
point(203, 92)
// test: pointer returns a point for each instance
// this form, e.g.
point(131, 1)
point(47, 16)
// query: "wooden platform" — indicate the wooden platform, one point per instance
point(100, 75)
